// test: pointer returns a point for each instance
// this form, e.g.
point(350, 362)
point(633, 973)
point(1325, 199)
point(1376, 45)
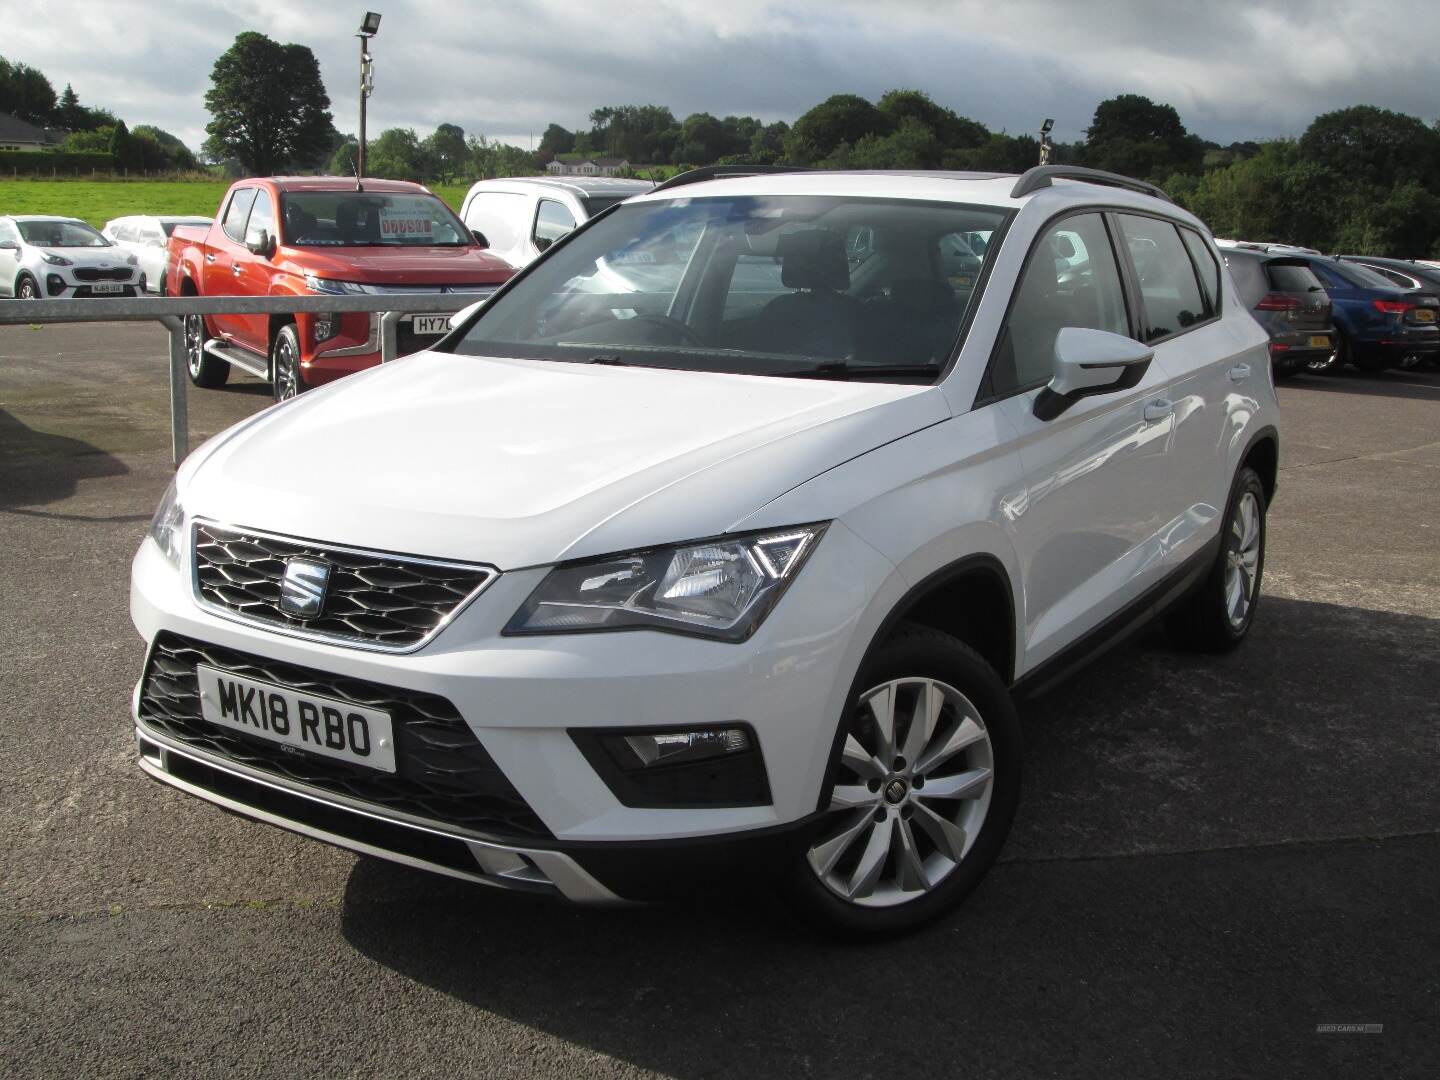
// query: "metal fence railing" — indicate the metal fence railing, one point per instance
point(171, 311)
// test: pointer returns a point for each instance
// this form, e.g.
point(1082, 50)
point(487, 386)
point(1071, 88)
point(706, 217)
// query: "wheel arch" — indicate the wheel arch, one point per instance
point(1262, 453)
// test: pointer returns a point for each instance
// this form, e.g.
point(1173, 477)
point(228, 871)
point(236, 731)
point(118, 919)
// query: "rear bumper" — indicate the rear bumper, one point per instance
point(602, 873)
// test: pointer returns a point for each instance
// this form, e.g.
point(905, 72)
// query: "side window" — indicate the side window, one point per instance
point(552, 221)
point(261, 217)
point(155, 236)
point(500, 215)
point(237, 212)
point(1207, 266)
point(1331, 279)
point(9, 232)
point(1071, 279)
point(1168, 285)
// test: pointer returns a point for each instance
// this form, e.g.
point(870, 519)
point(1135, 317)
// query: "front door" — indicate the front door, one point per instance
point(1085, 523)
point(220, 268)
point(252, 273)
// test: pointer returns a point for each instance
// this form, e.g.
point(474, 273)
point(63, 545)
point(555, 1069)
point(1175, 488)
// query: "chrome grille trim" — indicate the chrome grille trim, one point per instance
point(320, 549)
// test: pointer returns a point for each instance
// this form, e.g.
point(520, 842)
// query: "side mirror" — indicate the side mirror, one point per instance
point(480, 238)
point(260, 242)
point(9, 245)
point(1089, 362)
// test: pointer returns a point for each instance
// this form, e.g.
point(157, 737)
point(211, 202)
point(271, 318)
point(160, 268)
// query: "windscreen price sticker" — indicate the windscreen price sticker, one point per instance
point(400, 225)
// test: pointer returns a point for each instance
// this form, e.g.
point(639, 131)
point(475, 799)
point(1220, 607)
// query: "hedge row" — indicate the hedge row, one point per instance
point(46, 162)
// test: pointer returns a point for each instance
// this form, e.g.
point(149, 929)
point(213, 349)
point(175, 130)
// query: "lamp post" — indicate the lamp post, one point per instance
point(1044, 137)
point(369, 27)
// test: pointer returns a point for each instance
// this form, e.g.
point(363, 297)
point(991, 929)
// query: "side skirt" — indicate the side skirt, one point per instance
point(1179, 585)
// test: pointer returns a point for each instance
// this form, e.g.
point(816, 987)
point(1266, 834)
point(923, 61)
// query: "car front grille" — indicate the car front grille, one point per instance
point(375, 600)
point(91, 273)
point(442, 774)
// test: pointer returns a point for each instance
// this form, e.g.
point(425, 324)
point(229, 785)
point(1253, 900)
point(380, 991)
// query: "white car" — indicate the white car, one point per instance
point(736, 575)
point(147, 237)
point(522, 216)
point(60, 258)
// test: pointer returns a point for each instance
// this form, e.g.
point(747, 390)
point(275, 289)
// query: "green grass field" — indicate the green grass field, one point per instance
point(97, 201)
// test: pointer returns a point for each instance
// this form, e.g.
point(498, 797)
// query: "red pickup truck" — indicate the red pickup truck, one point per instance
point(315, 235)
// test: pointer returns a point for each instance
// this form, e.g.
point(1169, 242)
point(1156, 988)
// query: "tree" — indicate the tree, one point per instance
point(70, 114)
point(1374, 145)
point(767, 145)
point(702, 139)
point(1133, 135)
point(447, 152)
point(843, 118)
point(397, 155)
point(954, 132)
point(268, 105)
point(124, 150)
point(173, 154)
point(26, 92)
point(556, 140)
point(912, 145)
point(491, 159)
point(342, 162)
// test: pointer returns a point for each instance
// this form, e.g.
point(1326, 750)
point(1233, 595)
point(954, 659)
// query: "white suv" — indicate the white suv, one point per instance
point(721, 541)
point(521, 216)
point(60, 258)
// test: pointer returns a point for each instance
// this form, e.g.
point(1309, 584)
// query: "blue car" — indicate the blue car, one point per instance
point(1378, 324)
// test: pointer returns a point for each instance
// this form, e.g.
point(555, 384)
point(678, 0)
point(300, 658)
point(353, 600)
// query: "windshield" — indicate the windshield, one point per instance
point(61, 234)
point(776, 285)
point(370, 219)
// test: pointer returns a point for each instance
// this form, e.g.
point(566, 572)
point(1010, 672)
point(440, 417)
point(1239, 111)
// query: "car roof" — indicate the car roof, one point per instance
point(342, 183)
point(576, 185)
point(982, 188)
point(44, 217)
point(178, 219)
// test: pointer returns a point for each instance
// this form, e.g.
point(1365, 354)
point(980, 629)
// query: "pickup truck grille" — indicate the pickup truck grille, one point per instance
point(442, 774)
point(373, 600)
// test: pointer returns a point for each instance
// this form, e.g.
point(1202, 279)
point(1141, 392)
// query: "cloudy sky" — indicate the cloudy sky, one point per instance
point(1236, 69)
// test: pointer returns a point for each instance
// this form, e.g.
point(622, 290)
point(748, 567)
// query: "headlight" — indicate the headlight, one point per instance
point(168, 524)
point(55, 260)
point(719, 588)
point(334, 288)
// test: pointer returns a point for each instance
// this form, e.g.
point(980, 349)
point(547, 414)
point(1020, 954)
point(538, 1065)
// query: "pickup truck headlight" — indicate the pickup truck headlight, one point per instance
point(167, 527)
point(334, 288)
point(55, 260)
point(720, 588)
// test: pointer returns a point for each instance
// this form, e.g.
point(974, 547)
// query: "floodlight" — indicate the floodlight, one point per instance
point(371, 24)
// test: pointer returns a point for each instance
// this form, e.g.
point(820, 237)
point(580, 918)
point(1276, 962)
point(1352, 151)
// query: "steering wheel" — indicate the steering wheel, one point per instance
point(687, 335)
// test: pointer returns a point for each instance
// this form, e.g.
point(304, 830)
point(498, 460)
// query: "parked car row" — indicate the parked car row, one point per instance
point(1325, 312)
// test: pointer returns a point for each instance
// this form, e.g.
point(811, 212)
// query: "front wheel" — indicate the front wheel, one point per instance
point(924, 785)
point(286, 379)
point(27, 289)
point(206, 371)
point(1218, 616)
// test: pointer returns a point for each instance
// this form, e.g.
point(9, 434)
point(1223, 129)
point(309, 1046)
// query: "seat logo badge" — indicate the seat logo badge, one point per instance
point(302, 591)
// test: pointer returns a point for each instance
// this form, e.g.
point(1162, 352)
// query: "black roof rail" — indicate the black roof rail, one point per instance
point(1041, 176)
point(715, 172)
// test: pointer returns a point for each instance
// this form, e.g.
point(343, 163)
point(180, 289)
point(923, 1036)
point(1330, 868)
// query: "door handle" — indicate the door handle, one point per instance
point(210, 257)
point(235, 269)
point(1239, 371)
point(1158, 410)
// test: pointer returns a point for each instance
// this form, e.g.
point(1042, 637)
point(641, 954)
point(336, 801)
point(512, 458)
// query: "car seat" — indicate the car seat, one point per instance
point(820, 318)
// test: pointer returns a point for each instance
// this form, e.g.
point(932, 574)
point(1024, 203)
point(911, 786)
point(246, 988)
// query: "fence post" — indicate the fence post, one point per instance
point(389, 336)
point(179, 413)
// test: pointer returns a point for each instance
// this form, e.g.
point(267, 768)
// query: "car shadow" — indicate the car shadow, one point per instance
point(1393, 382)
point(1209, 765)
point(38, 468)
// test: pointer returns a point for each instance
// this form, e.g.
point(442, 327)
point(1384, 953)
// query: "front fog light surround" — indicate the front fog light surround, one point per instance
point(678, 768)
point(168, 525)
point(720, 588)
point(325, 326)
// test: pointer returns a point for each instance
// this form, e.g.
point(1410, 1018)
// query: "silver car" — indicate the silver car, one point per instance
point(58, 258)
point(147, 237)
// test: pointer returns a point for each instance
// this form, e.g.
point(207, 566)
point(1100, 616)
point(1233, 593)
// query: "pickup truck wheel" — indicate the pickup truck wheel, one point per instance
point(925, 780)
point(286, 379)
point(26, 289)
point(206, 371)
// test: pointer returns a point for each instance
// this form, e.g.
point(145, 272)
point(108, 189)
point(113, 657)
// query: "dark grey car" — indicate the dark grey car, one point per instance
point(1288, 300)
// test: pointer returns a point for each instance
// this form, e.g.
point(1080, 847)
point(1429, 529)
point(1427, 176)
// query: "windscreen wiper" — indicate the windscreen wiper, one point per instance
point(831, 369)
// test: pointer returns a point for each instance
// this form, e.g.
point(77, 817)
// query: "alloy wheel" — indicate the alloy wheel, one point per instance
point(194, 344)
point(28, 290)
point(1242, 559)
point(287, 375)
point(913, 788)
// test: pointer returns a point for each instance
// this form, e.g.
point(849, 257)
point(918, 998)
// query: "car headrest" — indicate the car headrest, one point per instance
point(813, 259)
point(347, 216)
point(921, 294)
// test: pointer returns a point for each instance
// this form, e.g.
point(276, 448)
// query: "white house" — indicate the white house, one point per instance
point(580, 165)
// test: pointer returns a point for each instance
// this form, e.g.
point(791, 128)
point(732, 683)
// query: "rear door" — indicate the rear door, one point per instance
point(1085, 526)
point(225, 242)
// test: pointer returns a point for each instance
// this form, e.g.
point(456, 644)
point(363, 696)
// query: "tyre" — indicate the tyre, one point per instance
point(923, 787)
point(1334, 363)
point(1218, 615)
point(26, 288)
point(206, 371)
point(286, 379)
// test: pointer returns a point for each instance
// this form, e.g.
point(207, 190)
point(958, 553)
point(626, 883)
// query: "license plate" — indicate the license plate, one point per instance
point(98, 289)
point(321, 725)
point(1320, 341)
point(1424, 315)
point(432, 324)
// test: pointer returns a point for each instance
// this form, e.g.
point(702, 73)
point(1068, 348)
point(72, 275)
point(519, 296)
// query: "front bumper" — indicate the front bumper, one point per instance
point(522, 698)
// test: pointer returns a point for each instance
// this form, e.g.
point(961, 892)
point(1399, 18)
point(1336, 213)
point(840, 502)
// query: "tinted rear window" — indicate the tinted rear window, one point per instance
point(1289, 277)
point(594, 204)
point(1361, 276)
